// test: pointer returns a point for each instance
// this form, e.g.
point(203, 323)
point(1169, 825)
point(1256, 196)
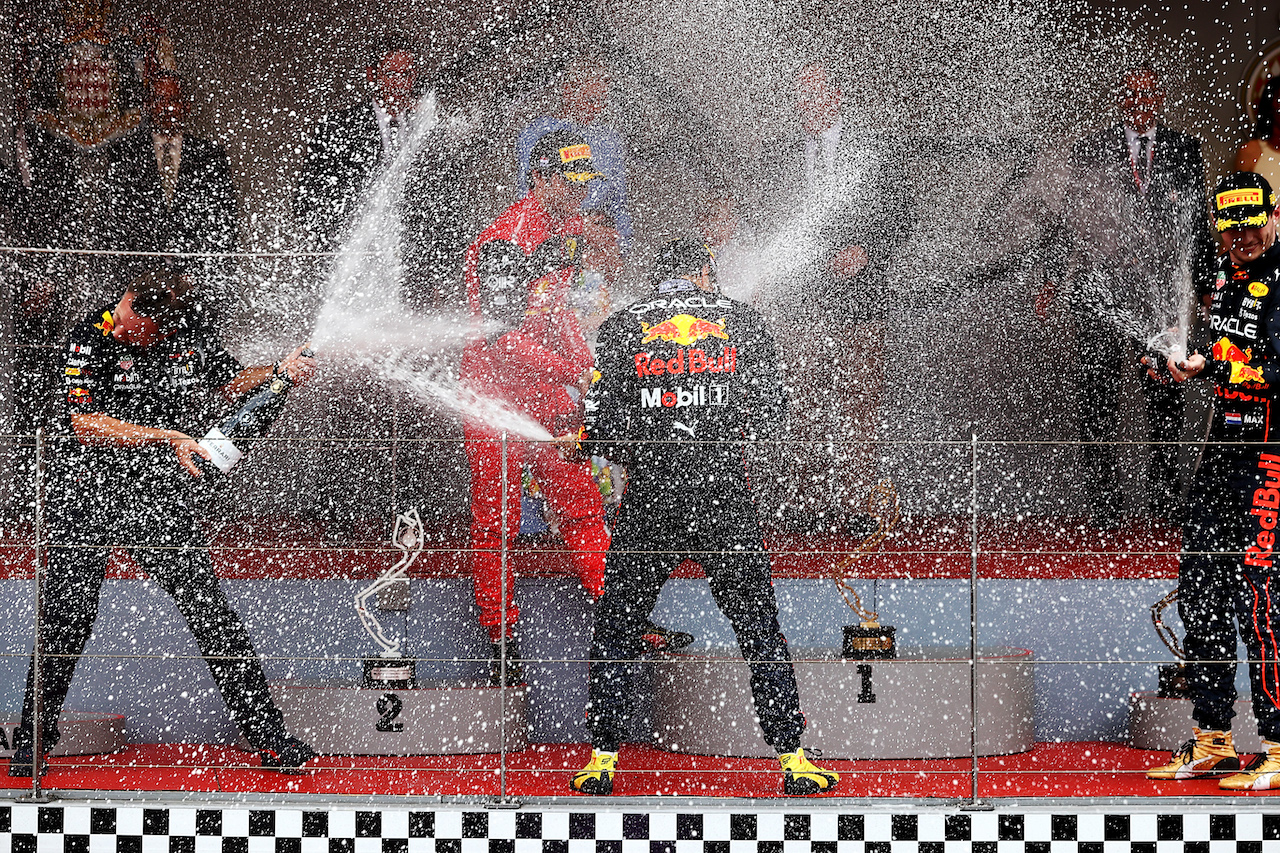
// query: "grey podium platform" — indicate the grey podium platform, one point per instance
point(916, 706)
point(1156, 722)
point(434, 718)
point(83, 733)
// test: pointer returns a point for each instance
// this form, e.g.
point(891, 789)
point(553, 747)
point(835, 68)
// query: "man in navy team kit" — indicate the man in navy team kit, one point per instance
point(686, 379)
point(139, 380)
point(1228, 549)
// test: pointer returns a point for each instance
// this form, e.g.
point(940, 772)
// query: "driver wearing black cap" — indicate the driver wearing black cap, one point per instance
point(1229, 541)
point(686, 379)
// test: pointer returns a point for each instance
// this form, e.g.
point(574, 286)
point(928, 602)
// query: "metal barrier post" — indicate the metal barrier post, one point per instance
point(502, 643)
point(37, 747)
point(974, 803)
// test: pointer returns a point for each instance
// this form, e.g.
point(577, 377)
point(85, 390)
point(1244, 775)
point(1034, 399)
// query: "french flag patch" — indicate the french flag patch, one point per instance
point(1233, 418)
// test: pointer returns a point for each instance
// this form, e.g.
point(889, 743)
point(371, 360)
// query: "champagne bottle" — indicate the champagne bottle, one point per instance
point(228, 442)
point(1156, 363)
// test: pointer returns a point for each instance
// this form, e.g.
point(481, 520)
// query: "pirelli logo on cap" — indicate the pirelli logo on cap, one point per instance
point(1235, 198)
point(575, 152)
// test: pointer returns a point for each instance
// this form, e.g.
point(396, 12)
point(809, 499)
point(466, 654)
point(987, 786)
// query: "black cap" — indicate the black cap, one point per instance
point(680, 258)
point(168, 297)
point(1243, 200)
point(565, 152)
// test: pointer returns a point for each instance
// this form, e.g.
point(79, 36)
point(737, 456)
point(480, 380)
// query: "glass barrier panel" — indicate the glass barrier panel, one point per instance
point(1068, 597)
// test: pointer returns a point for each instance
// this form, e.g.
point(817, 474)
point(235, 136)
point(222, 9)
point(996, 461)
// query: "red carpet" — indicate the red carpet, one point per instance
point(1050, 770)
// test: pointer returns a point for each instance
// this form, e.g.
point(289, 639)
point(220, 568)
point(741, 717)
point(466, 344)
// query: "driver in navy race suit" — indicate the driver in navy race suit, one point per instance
point(1228, 549)
point(686, 378)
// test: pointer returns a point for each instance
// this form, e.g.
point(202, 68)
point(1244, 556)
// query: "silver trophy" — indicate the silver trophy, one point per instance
point(390, 669)
point(1173, 681)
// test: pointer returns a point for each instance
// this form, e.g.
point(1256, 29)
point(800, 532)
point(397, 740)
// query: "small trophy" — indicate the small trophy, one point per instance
point(1174, 682)
point(869, 640)
point(390, 670)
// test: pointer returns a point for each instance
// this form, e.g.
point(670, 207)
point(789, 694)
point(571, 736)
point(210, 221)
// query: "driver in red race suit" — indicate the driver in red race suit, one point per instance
point(517, 274)
point(1228, 550)
point(686, 378)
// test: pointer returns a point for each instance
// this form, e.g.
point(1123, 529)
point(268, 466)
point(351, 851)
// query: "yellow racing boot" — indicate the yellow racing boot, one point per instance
point(1209, 754)
point(1263, 775)
point(597, 777)
point(802, 778)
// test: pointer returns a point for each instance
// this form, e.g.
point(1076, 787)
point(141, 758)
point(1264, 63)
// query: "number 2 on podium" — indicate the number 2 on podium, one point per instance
point(389, 706)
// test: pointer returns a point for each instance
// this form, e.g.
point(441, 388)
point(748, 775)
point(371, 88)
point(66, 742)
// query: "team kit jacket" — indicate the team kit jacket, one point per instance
point(166, 385)
point(517, 273)
point(676, 371)
point(103, 497)
point(531, 352)
point(685, 378)
point(1244, 356)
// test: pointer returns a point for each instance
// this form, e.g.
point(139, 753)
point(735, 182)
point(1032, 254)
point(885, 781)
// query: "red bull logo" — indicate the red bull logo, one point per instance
point(697, 362)
point(683, 329)
point(1225, 350)
point(1266, 503)
point(1244, 373)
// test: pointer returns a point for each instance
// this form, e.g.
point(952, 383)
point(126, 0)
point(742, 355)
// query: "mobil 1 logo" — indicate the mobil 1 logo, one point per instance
point(682, 396)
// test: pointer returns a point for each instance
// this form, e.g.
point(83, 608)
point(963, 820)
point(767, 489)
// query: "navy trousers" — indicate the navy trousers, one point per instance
point(146, 512)
point(1227, 579)
point(656, 531)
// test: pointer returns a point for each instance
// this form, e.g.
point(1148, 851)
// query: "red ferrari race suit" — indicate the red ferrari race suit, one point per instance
point(517, 272)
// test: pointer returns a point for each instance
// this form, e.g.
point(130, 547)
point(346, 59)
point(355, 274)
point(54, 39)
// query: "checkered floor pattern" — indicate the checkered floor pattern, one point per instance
point(29, 828)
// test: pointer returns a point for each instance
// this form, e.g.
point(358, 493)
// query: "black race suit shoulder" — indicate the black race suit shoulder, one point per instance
point(166, 385)
point(1244, 348)
point(682, 379)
